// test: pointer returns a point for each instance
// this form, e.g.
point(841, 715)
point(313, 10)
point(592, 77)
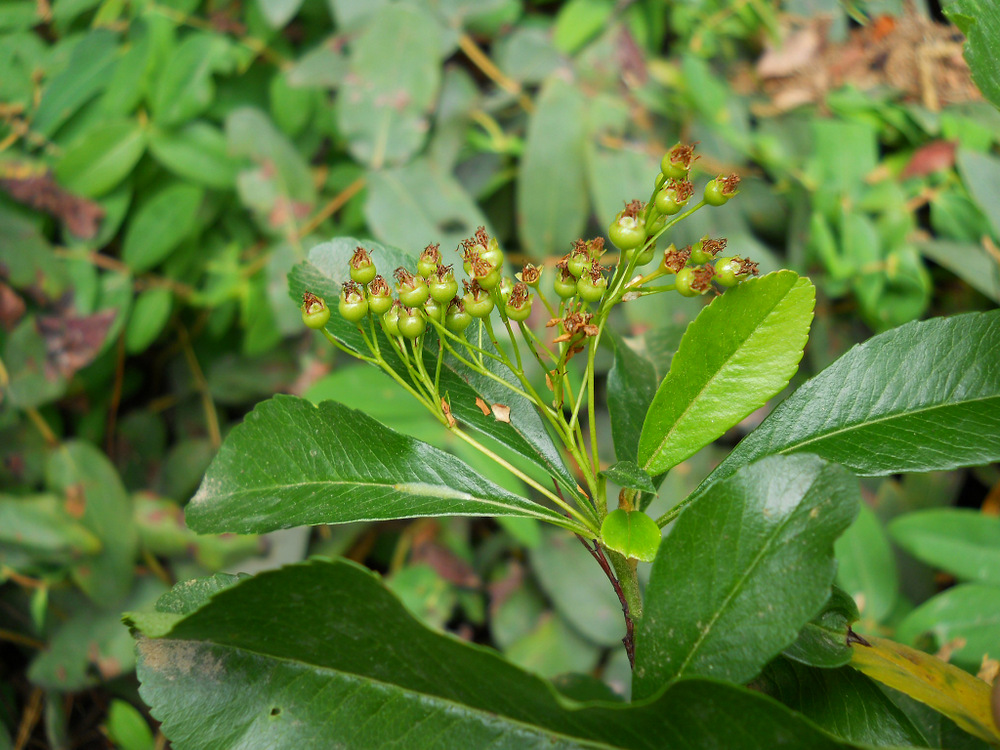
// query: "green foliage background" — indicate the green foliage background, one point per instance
point(165, 163)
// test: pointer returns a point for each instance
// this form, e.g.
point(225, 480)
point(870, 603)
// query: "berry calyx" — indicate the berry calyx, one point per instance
point(315, 313)
point(518, 306)
point(592, 285)
point(429, 261)
point(731, 271)
point(694, 280)
point(362, 268)
point(379, 296)
point(628, 231)
point(478, 301)
point(442, 285)
point(674, 260)
point(411, 290)
point(721, 189)
point(530, 275)
point(705, 249)
point(565, 283)
point(673, 196)
point(676, 163)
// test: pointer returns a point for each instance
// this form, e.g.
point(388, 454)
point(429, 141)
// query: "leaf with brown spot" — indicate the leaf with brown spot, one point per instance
point(12, 307)
point(483, 407)
point(40, 191)
point(73, 343)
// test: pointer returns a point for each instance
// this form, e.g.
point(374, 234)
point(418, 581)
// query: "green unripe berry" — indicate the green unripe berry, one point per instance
point(683, 282)
point(578, 263)
point(434, 310)
point(726, 270)
point(411, 322)
point(362, 268)
point(592, 286)
point(721, 189)
point(411, 290)
point(627, 232)
point(442, 286)
point(379, 296)
point(565, 284)
point(492, 254)
point(353, 305)
point(429, 261)
point(676, 163)
point(644, 255)
point(705, 250)
point(390, 322)
point(477, 301)
point(457, 319)
point(673, 196)
point(315, 313)
point(518, 305)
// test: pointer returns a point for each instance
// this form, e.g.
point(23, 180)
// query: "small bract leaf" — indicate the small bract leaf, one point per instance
point(631, 533)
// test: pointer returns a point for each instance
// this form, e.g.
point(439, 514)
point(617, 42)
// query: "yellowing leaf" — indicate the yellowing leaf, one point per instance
point(958, 695)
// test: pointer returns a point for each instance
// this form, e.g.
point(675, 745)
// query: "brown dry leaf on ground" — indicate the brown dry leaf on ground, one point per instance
point(36, 188)
point(72, 343)
point(910, 53)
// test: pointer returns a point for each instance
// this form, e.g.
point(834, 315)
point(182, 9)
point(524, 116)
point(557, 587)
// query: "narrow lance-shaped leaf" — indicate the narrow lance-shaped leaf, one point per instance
point(739, 352)
point(632, 384)
point(962, 541)
point(291, 463)
point(743, 571)
point(922, 397)
point(216, 677)
point(525, 434)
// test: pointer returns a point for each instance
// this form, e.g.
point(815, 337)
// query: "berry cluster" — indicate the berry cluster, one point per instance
point(428, 301)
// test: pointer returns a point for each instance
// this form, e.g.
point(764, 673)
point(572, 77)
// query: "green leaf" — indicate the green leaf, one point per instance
point(842, 701)
point(740, 351)
point(823, 640)
point(552, 203)
point(970, 611)
point(160, 224)
point(632, 534)
point(148, 319)
point(553, 648)
point(279, 12)
point(38, 529)
point(32, 378)
point(979, 20)
point(292, 464)
point(867, 567)
point(981, 175)
point(630, 474)
point(101, 159)
point(185, 88)
point(88, 71)
point(197, 152)
point(412, 205)
point(632, 384)
point(968, 261)
point(218, 677)
point(127, 727)
point(94, 491)
point(391, 86)
point(525, 434)
point(579, 21)
point(870, 412)
point(960, 541)
point(743, 571)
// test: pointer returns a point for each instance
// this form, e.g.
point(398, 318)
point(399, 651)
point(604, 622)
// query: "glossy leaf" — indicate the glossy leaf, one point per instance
point(391, 85)
point(525, 434)
point(246, 686)
point(96, 497)
point(632, 384)
point(552, 203)
point(102, 158)
point(922, 397)
point(741, 350)
point(292, 464)
point(823, 640)
point(743, 571)
point(979, 20)
point(969, 611)
point(867, 567)
point(963, 542)
point(958, 695)
point(842, 701)
point(160, 224)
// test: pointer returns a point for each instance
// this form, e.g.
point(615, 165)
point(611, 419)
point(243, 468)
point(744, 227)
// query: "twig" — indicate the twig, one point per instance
point(629, 640)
